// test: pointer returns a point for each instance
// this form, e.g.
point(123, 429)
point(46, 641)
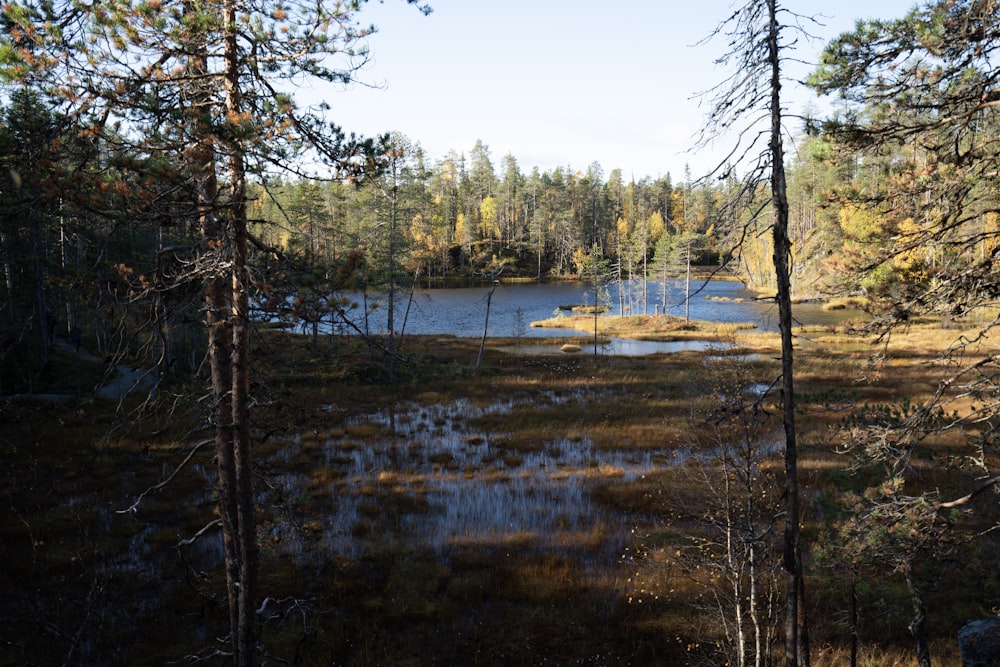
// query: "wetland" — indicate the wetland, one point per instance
point(522, 513)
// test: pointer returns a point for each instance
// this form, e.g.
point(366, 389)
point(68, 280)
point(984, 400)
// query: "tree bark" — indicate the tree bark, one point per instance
point(917, 625)
point(486, 324)
point(245, 630)
point(796, 638)
point(218, 306)
point(224, 240)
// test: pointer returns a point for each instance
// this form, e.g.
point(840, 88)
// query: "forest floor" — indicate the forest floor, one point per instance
point(544, 509)
point(114, 380)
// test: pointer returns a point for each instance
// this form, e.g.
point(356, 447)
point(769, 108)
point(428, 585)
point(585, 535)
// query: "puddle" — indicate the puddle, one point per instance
point(625, 347)
point(750, 358)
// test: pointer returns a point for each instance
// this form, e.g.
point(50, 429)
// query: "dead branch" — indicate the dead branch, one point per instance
point(968, 498)
point(162, 483)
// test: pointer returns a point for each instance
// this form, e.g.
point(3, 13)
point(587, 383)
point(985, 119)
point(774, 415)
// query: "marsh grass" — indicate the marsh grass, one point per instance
point(844, 303)
point(354, 476)
point(646, 327)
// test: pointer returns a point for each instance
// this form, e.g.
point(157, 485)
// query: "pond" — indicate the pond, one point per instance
point(462, 311)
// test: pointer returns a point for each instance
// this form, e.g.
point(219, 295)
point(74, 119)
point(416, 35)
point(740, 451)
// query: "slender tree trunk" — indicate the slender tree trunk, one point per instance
point(917, 623)
point(758, 636)
point(733, 564)
point(621, 284)
point(539, 249)
point(245, 631)
point(44, 320)
point(595, 320)
point(645, 279)
point(796, 638)
point(406, 313)
point(631, 286)
point(390, 316)
point(224, 236)
point(218, 307)
point(663, 285)
point(486, 324)
point(687, 286)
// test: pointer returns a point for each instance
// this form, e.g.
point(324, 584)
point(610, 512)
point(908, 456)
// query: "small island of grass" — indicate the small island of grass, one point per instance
point(662, 328)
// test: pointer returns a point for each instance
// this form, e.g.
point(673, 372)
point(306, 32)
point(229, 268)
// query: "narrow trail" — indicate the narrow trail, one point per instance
point(123, 380)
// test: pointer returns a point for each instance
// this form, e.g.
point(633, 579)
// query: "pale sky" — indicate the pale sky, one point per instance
point(562, 82)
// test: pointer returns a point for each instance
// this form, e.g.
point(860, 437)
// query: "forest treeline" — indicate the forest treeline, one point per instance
point(89, 228)
point(461, 216)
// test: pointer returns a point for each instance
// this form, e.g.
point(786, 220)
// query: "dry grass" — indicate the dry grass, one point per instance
point(843, 303)
point(646, 327)
point(516, 597)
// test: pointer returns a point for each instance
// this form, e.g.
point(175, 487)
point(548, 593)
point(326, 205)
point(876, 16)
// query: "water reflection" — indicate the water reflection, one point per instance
point(428, 480)
point(618, 346)
point(461, 311)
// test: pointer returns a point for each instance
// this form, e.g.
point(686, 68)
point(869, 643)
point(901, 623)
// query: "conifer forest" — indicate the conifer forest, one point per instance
point(213, 455)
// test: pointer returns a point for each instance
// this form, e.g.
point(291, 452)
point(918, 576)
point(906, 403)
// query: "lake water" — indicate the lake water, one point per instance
point(462, 311)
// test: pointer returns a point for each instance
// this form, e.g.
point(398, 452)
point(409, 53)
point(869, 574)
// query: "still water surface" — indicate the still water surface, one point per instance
point(476, 487)
point(462, 311)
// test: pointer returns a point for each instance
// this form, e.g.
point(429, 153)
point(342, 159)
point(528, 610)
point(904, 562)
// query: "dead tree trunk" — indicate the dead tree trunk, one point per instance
point(796, 637)
point(486, 324)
